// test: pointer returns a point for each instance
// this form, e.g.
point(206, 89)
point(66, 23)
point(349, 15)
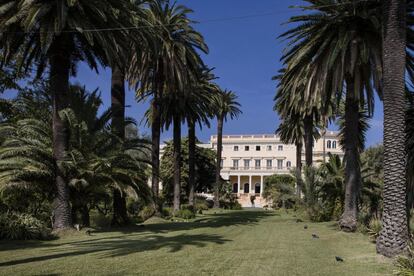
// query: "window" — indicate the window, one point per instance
point(269, 148)
point(246, 148)
point(257, 164)
point(334, 144)
point(288, 164)
point(236, 164)
point(280, 148)
point(269, 164)
point(257, 148)
point(246, 164)
point(236, 148)
point(329, 144)
point(279, 164)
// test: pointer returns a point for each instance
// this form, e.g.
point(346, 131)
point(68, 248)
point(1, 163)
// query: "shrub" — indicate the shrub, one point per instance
point(185, 214)
point(100, 220)
point(405, 264)
point(134, 206)
point(166, 212)
point(374, 227)
point(146, 212)
point(201, 206)
point(15, 226)
point(230, 205)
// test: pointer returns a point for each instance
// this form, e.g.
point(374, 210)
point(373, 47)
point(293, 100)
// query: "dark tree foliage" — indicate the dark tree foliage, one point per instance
point(204, 170)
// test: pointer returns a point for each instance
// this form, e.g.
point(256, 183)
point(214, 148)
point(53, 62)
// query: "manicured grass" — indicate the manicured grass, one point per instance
point(249, 242)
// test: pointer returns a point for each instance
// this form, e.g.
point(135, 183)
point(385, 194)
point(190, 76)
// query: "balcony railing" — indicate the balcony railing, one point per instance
point(263, 169)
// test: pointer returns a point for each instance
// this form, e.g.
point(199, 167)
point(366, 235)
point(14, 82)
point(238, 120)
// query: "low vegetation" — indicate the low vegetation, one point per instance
point(218, 242)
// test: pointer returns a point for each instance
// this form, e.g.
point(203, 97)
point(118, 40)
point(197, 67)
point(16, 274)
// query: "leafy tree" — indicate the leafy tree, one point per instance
point(204, 160)
point(226, 106)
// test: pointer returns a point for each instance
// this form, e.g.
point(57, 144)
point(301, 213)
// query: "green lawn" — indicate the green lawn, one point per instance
point(247, 242)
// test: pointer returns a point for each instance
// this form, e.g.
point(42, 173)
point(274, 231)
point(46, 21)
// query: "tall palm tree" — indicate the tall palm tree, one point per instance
point(291, 102)
point(57, 34)
point(394, 236)
point(198, 110)
point(291, 131)
point(337, 46)
point(166, 71)
point(226, 106)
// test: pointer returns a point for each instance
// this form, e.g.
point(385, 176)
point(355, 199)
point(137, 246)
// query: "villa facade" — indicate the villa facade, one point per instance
point(248, 159)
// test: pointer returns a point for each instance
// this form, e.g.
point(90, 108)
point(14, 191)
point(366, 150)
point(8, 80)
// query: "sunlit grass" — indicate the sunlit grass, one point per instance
point(247, 242)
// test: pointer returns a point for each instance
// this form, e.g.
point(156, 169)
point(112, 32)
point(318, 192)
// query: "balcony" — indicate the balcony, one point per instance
point(257, 169)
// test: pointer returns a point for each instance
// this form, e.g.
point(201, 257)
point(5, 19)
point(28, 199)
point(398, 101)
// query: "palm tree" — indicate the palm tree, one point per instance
point(394, 236)
point(166, 72)
point(199, 110)
point(226, 106)
point(96, 164)
point(291, 131)
point(166, 67)
point(352, 192)
point(57, 34)
point(293, 103)
point(338, 46)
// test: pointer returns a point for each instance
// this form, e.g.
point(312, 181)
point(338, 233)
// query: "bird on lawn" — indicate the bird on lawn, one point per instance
point(339, 259)
point(315, 236)
point(305, 227)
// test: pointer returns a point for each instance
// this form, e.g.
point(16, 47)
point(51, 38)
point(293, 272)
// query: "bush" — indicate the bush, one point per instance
point(100, 220)
point(146, 212)
point(201, 206)
point(405, 264)
point(185, 214)
point(15, 226)
point(374, 228)
point(230, 205)
point(166, 213)
point(134, 206)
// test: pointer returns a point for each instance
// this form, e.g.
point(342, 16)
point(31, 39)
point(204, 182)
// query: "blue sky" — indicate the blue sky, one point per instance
point(244, 49)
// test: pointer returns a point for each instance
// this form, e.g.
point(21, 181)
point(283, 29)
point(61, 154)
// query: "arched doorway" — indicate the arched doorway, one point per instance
point(235, 188)
point(257, 188)
point(246, 188)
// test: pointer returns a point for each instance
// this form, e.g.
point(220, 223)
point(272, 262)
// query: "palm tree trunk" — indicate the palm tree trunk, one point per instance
point(394, 237)
point(218, 161)
point(299, 168)
point(191, 161)
point(308, 125)
point(177, 163)
point(60, 64)
point(348, 221)
point(85, 216)
point(120, 216)
point(155, 148)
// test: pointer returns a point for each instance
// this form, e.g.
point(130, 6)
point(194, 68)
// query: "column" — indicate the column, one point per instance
point(250, 184)
point(261, 185)
point(238, 184)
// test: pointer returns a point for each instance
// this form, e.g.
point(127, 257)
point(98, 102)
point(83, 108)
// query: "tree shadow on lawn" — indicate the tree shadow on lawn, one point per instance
point(123, 247)
point(234, 218)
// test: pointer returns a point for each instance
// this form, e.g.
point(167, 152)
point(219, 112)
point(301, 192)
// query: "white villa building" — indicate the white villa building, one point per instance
point(248, 159)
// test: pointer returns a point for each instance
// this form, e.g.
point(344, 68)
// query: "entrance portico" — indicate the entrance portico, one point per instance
point(247, 184)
